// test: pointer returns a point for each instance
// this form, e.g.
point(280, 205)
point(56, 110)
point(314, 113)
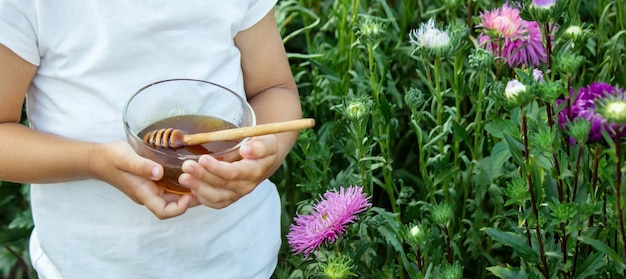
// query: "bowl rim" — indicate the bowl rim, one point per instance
point(182, 156)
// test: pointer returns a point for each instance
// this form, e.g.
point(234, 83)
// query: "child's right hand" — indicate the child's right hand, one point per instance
point(117, 164)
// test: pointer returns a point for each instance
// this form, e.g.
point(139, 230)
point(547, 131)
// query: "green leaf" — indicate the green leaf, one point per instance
point(603, 248)
point(497, 127)
point(23, 220)
point(515, 241)
point(515, 147)
point(487, 171)
point(508, 272)
point(390, 237)
point(591, 265)
point(500, 154)
point(461, 134)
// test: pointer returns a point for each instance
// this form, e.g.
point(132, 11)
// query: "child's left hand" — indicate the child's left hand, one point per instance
point(218, 184)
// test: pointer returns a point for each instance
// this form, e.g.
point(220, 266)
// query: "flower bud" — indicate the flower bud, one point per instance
point(568, 62)
point(544, 11)
point(573, 32)
point(338, 267)
point(543, 140)
point(562, 212)
point(370, 30)
point(442, 214)
point(579, 129)
point(451, 271)
point(481, 59)
point(356, 109)
point(414, 99)
point(543, 4)
point(550, 91)
point(613, 110)
point(517, 191)
point(416, 235)
point(513, 89)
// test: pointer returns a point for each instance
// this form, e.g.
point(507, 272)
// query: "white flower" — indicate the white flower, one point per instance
point(415, 230)
point(514, 88)
point(573, 31)
point(429, 36)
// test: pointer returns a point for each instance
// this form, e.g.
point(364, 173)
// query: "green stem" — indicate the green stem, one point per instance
point(478, 127)
point(448, 239)
point(362, 152)
point(346, 45)
point(422, 157)
point(618, 189)
point(439, 115)
point(576, 171)
point(458, 98)
point(548, 38)
point(533, 201)
point(383, 132)
point(476, 150)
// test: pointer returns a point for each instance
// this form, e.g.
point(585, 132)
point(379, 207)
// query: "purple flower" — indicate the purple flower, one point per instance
point(328, 219)
point(543, 4)
point(508, 36)
point(538, 75)
point(584, 106)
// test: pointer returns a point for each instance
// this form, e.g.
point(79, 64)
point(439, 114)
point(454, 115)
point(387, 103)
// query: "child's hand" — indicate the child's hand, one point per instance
point(134, 175)
point(218, 184)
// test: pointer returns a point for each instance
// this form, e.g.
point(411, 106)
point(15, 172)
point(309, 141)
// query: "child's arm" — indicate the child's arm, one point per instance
point(268, 79)
point(272, 92)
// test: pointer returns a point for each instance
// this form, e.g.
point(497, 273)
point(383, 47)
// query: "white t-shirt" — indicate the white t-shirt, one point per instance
point(92, 56)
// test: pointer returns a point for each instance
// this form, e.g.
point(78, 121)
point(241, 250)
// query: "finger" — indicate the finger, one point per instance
point(207, 188)
point(259, 147)
point(152, 198)
point(217, 198)
point(195, 174)
point(163, 210)
point(210, 191)
point(171, 197)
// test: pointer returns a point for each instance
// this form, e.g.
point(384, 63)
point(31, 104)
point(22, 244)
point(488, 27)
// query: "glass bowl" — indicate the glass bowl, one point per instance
point(189, 105)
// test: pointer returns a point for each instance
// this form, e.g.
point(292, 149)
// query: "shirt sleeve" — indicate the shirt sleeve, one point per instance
point(18, 29)
point(256, 11)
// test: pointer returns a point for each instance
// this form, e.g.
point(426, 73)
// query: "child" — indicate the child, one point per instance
point(94, 202)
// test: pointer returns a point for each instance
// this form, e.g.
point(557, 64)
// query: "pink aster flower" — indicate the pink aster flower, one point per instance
point(328, 219)
point(527, 51)
point(504, 22)
point(584, 106)
point(507, 35)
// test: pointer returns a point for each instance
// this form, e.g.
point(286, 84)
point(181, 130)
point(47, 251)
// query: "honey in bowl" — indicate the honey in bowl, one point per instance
point(189, 124)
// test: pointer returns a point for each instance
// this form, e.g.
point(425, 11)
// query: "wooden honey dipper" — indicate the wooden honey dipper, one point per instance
point(174, 138)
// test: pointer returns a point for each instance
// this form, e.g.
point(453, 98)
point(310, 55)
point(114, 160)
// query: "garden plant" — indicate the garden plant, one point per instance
point(455, 139)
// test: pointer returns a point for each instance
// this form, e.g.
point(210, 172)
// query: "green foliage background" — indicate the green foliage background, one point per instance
point(433, 146)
